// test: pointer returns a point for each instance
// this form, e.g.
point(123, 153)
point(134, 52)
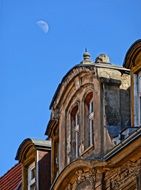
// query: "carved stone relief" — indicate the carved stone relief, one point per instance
point(75, 72)
point(85, 185)
point(124, 174)
point(83, 180)
point(55, 114)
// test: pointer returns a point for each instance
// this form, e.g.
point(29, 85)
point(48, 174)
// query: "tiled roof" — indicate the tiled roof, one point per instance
point(12, 179)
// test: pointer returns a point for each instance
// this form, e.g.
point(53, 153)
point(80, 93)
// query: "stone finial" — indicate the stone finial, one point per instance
point(102, 58)
point(86, 57)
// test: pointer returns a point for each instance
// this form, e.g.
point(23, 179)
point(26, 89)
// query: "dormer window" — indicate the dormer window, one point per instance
point(74, 133)
point(89, 121)
point(35, 156)
point(32, 177)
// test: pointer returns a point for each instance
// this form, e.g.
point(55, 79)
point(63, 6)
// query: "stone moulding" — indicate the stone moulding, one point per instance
point(74, 174)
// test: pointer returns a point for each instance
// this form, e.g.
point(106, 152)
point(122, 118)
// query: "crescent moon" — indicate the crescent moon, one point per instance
point(43, 25)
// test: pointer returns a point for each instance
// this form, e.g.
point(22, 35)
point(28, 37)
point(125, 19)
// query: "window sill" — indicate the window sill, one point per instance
point(87, 150)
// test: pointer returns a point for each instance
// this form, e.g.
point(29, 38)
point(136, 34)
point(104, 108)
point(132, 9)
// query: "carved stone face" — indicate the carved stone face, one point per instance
point(85, 185)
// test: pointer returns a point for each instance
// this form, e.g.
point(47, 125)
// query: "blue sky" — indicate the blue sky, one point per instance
point(33, 61)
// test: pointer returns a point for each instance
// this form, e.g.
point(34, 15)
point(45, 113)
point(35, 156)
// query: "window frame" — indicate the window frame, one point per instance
point(76, 128)
point(75, 122)
point(89, 121)
point(31, 181)
point(137, 99)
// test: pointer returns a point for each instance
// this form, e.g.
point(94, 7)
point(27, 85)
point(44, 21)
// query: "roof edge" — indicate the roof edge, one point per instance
point(28, 142)
point(91, 64)
point(130, 51)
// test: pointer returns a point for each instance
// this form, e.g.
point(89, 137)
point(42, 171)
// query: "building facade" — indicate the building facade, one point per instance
point(94, 132)
point(90, 123)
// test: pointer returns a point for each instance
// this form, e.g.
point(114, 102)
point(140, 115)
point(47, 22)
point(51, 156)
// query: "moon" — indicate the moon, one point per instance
point(43, 25)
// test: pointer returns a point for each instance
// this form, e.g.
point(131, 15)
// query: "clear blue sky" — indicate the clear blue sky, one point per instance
point(34, 60)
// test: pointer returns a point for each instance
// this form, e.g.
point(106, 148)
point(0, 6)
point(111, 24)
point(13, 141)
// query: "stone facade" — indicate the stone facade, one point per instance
point(94, 128)
point(93, 144)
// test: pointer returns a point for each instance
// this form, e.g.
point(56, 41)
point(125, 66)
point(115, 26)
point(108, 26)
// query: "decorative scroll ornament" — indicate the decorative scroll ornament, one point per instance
point(83, 179)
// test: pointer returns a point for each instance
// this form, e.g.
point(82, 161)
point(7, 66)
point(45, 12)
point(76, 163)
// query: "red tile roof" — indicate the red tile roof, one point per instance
point(12, 179)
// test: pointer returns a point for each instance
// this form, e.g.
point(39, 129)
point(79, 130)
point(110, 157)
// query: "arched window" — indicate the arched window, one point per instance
point(137, 97)
point(74, 133)
point(89, 121)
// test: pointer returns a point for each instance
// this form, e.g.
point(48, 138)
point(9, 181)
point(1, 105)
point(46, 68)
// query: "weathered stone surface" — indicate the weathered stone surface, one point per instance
point(109, 88)
point(102, 58)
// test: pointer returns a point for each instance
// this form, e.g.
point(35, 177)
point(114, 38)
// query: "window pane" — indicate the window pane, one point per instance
point(89, 116)
point(91, 132)
point(74, 133)
point(31, 176)
point(32, 187)
point(76, 119)
point(33, 173)
point(139, 83)
point(136, 99)
point(91, 107)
